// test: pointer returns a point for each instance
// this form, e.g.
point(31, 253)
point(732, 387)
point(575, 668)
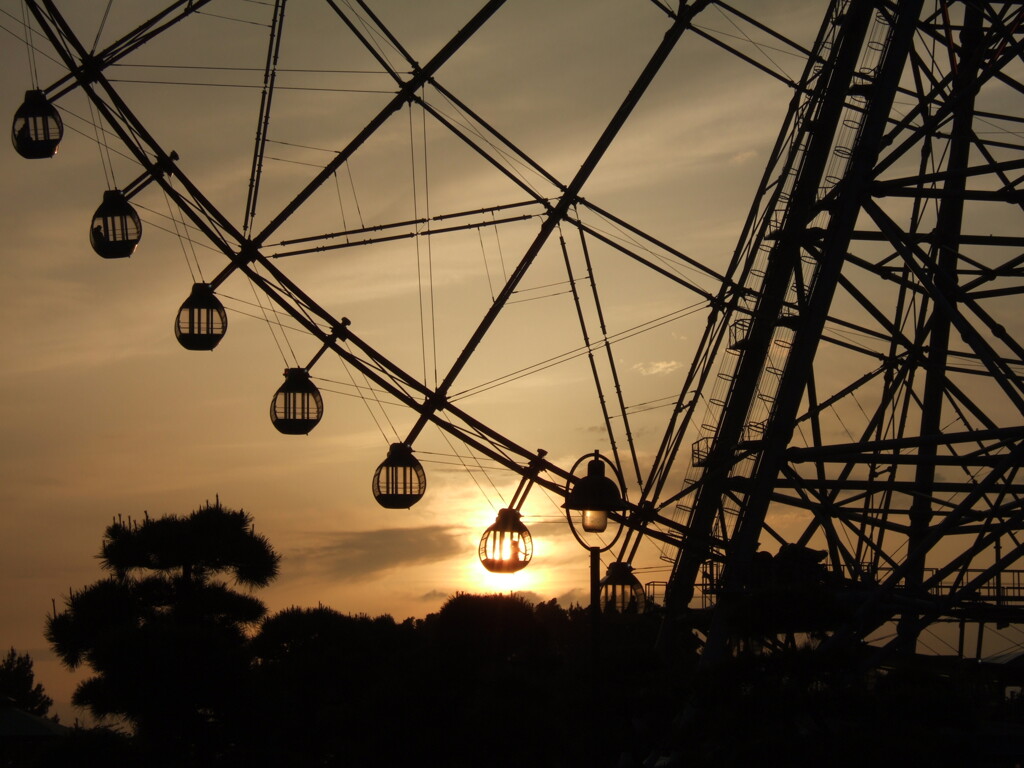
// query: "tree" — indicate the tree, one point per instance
point(18, 683)
point(331, 689)
point(165, 636)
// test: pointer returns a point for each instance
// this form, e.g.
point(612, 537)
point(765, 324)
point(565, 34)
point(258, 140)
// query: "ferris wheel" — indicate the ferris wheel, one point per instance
point(839, 455)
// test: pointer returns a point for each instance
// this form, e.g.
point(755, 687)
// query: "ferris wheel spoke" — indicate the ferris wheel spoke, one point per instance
point(407, 229)
point(405, 94)
point(485, 149)
point(263, 120)
point(146, 150)
point(156, 25)
point(561, 208)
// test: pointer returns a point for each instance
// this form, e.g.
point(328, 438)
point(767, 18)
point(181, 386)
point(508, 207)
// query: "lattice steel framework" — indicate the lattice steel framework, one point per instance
point(863, 386)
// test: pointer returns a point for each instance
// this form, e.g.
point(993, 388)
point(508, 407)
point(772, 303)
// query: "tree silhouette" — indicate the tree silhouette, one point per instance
point(165, 636)
point(18, 683)
point(333, 688)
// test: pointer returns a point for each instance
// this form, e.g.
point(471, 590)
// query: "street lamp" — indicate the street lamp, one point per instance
point(594, 496)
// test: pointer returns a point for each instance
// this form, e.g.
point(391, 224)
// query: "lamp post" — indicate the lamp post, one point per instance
point(594, 496)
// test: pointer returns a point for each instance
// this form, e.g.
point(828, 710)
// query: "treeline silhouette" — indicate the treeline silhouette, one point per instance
point(185, 659)
point(192, 672)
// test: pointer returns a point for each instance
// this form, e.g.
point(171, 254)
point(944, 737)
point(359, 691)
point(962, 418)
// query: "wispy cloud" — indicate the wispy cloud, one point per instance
point(574, 597)
point(434, 595)
point(363, 555)
point(657, 368)
point(742, 158)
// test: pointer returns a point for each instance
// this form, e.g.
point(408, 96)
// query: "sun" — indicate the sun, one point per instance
point(474, 578)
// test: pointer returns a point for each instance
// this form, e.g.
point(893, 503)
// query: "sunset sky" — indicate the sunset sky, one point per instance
point(105, 415)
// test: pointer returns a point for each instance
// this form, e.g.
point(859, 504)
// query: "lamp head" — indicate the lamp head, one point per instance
point(595, 495)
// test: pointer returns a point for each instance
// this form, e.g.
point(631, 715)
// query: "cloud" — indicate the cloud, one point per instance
point(434, 595)
point(363, 555)
point(657, 368)
point(741, 158)
point(531, 597)
point(573, 597)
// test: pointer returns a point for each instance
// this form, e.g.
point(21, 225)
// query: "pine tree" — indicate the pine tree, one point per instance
point(18, 683)
point(164, 633)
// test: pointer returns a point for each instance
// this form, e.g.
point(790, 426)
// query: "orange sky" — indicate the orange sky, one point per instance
point(104, 415)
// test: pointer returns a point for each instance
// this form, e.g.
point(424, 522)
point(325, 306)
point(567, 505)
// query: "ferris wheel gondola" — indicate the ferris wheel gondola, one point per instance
point(37, 128)
point(116, 228)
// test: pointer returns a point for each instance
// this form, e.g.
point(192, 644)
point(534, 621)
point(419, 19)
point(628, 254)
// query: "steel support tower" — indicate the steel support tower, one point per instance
point(863, 414)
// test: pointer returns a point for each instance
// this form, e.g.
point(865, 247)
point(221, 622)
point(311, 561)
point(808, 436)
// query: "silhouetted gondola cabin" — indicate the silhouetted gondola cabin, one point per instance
point(37, 128)
point(399, 481)
point(297, 406)
point(202, 321)
point(116, 228)
point(506, 546)
point(621, 591)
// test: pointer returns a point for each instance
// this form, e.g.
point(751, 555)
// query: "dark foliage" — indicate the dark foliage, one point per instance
point(330, 689)
point(90, 748)
point(808, 707)
point(18, 684)
point(168, 643)
point(488, 680)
